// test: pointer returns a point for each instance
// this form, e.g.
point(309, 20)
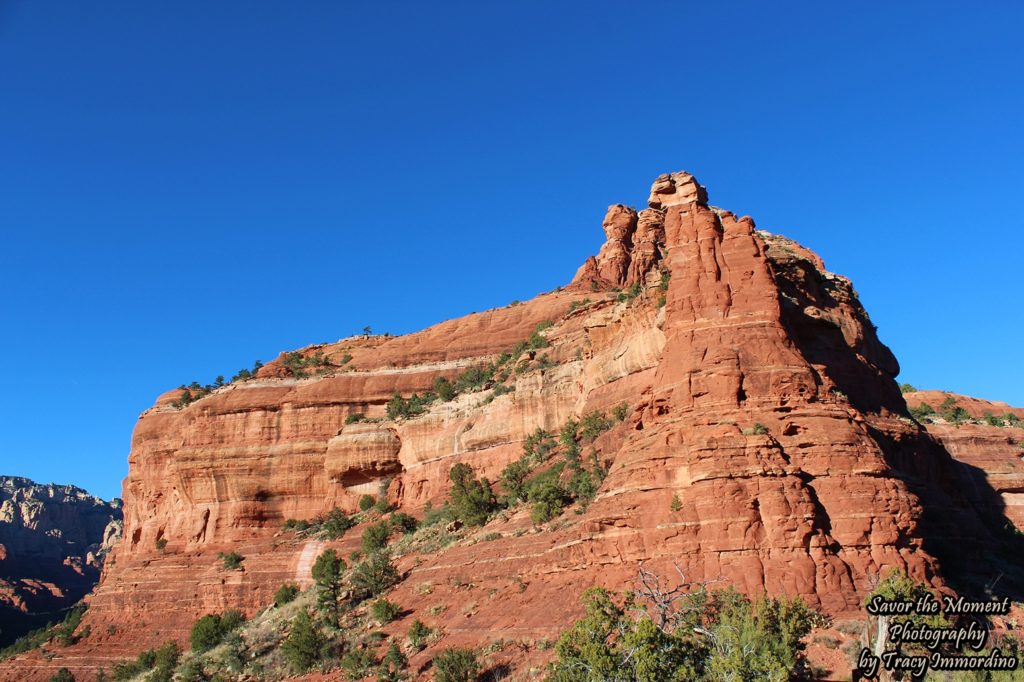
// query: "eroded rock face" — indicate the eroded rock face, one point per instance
point(53, 539)
point(765, 444)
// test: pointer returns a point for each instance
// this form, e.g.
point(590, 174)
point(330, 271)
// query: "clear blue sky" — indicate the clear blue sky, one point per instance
point(186, 187)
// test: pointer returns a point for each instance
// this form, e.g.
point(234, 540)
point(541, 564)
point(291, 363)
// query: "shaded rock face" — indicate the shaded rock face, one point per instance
point(990, 457)
point(53, 540)
point(765, 445)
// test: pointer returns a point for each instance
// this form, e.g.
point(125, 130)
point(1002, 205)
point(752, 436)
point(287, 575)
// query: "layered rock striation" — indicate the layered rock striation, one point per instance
point(764, 443)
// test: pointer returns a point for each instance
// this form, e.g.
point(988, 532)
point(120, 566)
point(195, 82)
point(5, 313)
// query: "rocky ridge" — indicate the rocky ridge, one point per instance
point(765, 444)
point(53, 540)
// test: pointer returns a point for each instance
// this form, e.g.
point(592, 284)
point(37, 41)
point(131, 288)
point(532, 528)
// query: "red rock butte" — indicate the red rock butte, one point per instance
point(765, 445)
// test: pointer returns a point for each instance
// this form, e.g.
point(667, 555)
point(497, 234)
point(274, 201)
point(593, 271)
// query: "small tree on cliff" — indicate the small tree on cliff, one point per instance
point(373, 576)
point(472, 498)
point(304, 645)
point(327, 572)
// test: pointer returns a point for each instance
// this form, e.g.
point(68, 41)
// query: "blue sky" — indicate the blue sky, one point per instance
point(187, 187)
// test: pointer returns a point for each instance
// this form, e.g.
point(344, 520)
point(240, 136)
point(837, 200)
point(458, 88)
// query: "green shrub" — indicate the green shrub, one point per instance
point(502, 389)
point(473, 379)
point(666, 276)
point(444, 389)
point(327, 571)
point(456, 665)
point(384, 611)
point(907, 388)
point(620, 412)
point(335, 523)
point(165, 660)
point(921, 411)
point(375, 537)
point(760, 429)
point(567, 436)
point(1011, 419)
point(629, 294)
point(231, 561)
point(64, 633)
point(418, 634)
point(676, 504)
point(472, 500)
point(211, 629)
point(62, 675)
point(161, 544)
point(577, 305)
point(952, 413)
point(404, 408)
point(583, 486)
point(191, 671)
point(593, 424)
point(513, 480)
point(304, 645)
point(538, 444)
point(286, 594)
point(518, 349)
point(366, 502)
point(991, 419)
point(297, 364)
point(393, 665)
point(297, 525)
point(548, 499)
point(355, 417)
point(536, 341)
point(246, 374)
point(358, 663)
point(122, 671)
point(403, 523)
point(373, 576)
point(697, 636)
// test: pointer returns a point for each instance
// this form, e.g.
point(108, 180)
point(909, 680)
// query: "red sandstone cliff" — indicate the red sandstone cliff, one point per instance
point(758, 394)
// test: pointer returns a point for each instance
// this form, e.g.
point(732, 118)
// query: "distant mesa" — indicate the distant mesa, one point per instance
point(53, 541)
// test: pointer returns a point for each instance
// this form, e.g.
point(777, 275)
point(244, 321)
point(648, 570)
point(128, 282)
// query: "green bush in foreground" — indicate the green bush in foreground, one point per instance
point(456, 665)
point(472, 500)
point(375, 537)
point(393, 665)
point(384, 611)
point(304, 645)
point(211, 629)
point(373, 576)
point(286, 594)
point(358, 663)
point(335, 523)
point(697, 636)
point(162, 661)
point(62, 675)
point(921, 411)
point(418, 633)
point(327, 571)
